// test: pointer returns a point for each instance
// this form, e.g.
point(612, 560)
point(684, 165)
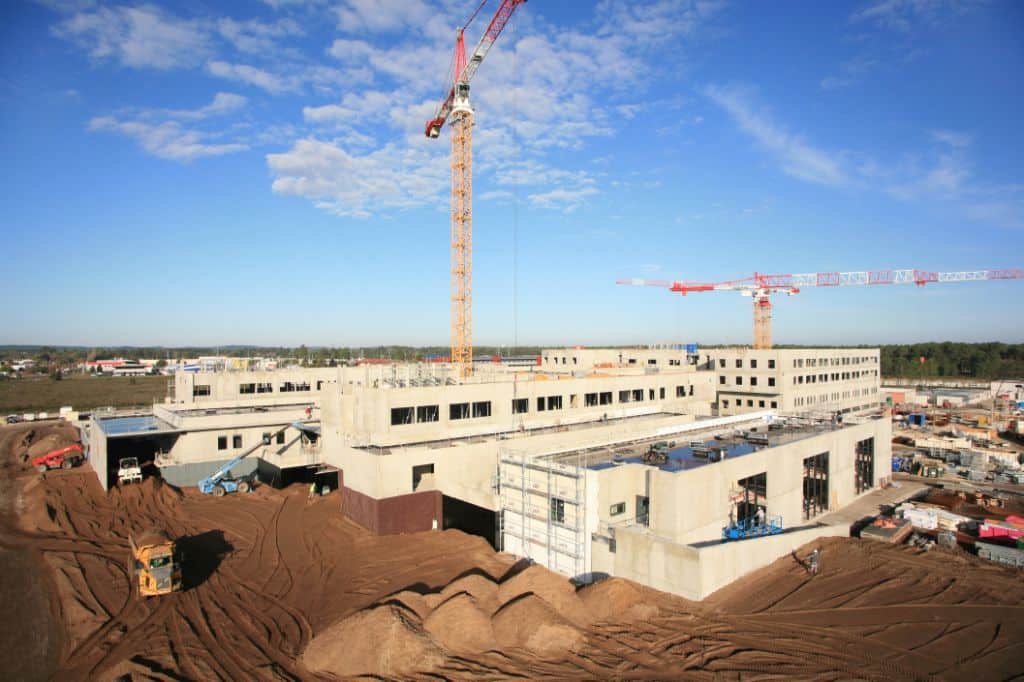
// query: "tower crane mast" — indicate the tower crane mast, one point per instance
point(456, 107)
point(760, 287)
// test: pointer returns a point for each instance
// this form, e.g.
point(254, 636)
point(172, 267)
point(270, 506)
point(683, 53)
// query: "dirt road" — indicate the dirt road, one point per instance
point(280, 588)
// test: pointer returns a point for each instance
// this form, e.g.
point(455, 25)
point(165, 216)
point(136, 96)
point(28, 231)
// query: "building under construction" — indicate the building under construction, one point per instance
point(593, 461)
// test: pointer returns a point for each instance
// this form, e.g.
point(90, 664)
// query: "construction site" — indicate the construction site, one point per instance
point(663, 511)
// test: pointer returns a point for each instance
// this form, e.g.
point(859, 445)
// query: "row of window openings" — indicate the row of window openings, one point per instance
point(753, 380)
point(835, 376)
point(236, 440)
point(674, 362)
point(750, 403)
point(286, 387)
point(456, 411)
point(739, 363)
point(833, 362)
point(245, 389)
point(803, 401)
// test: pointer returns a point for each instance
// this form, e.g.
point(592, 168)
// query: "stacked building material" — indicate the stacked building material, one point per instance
point(1011, 556)
point(931, 518)
point(891, 529)
point(1011, 528)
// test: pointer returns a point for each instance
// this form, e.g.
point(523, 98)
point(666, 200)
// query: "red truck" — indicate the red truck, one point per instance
point(64, 458)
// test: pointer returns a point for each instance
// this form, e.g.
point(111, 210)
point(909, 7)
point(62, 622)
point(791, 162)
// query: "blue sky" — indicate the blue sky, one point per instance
point(209, 173)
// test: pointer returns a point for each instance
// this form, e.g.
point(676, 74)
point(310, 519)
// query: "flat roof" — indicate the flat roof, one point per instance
point(252, 409)
point(134, 426)
point(512, 434)
point(713, 444)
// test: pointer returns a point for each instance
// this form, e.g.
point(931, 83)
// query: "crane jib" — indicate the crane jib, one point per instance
point(494, 29)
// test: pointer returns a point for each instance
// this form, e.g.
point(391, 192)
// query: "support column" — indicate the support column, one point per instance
point(462, 242)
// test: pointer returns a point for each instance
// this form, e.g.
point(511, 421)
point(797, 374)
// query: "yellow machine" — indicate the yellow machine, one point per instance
point(156, 563)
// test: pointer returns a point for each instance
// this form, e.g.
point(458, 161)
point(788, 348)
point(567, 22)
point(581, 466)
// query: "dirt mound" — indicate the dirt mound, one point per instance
point(151, 492)
point(529, 622)
point(386, 641)
point(413, 601)
point(53, 441)
point(617, 599)
point(483, 590)
point(461, 626)
point(555, 589)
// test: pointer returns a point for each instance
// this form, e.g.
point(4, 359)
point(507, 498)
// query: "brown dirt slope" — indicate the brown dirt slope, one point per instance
point(280, 588)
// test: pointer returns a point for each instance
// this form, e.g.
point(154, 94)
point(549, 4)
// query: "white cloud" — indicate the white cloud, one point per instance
point(952, 138)
point(282, 4)
point(850, 72)
point(251, 75)
point(796, 156)
point(1008, 213)
point(375, 16)
point(137, 37)
point(349, 50)
point(223, 103)
point(167, 139)
point(903, 15)
point(346, 184)
point(254, 36)
point(945, 174)
point(501, 195)
point(655, 22)
point(541, 90)
point(567, 199)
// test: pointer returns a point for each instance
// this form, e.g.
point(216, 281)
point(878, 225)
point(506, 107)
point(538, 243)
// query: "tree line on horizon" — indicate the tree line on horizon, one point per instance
point(982, 361)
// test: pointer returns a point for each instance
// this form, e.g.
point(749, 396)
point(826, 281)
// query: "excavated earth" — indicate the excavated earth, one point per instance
point(281, 588)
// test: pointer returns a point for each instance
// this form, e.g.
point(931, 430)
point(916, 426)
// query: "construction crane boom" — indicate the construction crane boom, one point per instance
point(455, 106)
point(761, 286)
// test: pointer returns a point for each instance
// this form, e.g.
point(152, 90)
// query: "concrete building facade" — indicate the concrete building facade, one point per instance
point(586, 513)
point(545, 461)
point(796, 380)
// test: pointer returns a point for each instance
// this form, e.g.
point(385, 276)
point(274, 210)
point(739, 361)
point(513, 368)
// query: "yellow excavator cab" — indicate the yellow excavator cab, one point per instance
point(156, 563)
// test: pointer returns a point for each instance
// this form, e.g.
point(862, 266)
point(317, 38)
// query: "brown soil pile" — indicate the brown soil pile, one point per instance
point(38, 439)
point(554, 589)
point(461, 626)
point(483, 589)
point(530, 622)
point(384, 641)
point(278, 587)
point(616, 599)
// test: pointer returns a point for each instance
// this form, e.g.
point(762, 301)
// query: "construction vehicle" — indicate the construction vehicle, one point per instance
point(456, 107)
point(760, 287)
point(156, 563)
point(64, 458)
point(221, 482)
point(128, 470)
point(657, 453)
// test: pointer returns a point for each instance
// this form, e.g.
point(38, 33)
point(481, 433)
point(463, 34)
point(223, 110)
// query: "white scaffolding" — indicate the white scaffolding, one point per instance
point(543, 511)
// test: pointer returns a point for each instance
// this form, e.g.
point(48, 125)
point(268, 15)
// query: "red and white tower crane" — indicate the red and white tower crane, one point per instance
point(455, 106)
point(760, 287)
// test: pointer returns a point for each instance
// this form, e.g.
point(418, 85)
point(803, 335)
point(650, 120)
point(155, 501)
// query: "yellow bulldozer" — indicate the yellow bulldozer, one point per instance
point(156, 563)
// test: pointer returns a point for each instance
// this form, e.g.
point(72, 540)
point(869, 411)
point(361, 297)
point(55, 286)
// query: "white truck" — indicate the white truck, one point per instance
point(129, 471)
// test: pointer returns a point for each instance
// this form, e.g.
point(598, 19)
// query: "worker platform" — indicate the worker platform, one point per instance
point(750, 528)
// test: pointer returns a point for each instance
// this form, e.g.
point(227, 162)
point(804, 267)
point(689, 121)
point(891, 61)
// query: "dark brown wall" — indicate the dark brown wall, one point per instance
point(360, 508)
point(410, 513)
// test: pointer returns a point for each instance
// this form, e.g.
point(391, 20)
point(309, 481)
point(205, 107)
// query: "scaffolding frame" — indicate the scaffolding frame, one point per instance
point(537, 526)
